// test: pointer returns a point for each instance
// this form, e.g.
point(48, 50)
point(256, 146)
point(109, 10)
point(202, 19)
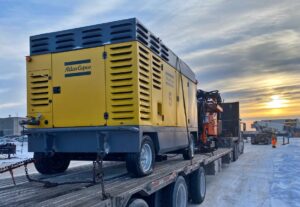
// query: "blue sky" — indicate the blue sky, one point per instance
point(249, 50)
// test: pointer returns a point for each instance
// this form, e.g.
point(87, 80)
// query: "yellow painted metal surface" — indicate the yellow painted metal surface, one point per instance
point(121, 84)
point(169, 95)
point(39, 89)
point(157, 94)
point(80, 75)
point(180, 107)
point(131, 84)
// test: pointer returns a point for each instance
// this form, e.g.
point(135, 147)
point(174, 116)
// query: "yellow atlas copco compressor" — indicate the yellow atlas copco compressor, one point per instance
point(111, 89)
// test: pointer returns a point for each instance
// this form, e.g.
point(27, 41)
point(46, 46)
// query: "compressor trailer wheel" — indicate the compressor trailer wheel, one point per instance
point(142, 163)
point(56, 163)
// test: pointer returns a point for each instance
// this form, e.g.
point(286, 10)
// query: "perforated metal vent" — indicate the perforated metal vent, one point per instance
point(144, 61)
point(39, 89)
point(156, 72)
point(120, 77)
point(121, 32)
point(91, 37)
point(39, 45)
point(65, 41)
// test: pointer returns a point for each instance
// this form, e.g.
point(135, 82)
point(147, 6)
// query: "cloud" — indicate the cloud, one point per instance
point(9, 105)
point(249, 50)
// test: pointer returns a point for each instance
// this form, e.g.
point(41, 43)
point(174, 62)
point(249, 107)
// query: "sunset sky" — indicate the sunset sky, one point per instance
point(248, 50)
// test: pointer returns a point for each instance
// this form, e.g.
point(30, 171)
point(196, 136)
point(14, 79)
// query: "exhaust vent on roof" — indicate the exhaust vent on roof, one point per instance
point(121, 32)
point(91, 37)
point(65, 41)
point(39, 45)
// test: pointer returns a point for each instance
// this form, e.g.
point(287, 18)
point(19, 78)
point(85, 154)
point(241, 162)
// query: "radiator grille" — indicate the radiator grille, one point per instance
point(156, 72)
point(121, 87)
point(144, 62)
point(39, 96)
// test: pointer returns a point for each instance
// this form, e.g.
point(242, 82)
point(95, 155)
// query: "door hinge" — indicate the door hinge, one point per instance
point(104, 55)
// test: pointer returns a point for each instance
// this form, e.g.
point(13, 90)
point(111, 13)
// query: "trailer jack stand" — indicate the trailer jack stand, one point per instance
point(99, 174)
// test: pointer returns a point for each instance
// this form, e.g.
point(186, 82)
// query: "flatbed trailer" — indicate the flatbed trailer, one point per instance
point(121, 188)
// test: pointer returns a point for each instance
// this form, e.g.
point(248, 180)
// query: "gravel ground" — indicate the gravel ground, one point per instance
point(261, 177)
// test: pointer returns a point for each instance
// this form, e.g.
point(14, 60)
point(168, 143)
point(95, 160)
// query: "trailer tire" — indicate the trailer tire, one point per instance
point(134, 163)
point(189, 153)
point(177, 193)
point(137, 202)
point(198, 186)
point(48, 165)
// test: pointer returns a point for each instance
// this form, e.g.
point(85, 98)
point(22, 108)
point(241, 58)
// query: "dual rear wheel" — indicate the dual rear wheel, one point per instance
point(178, 193)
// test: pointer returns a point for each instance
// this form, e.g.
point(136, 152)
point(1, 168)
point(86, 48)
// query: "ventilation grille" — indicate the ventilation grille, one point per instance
point(39, 89)
point(156, 73)
point(121, 82)
point(144, 83)
point(65, 41)
point(121, 32)
point(91, 37)
point(39, 45)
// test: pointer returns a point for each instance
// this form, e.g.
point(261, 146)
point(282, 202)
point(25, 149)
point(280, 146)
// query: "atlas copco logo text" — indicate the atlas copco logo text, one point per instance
point(78, 68)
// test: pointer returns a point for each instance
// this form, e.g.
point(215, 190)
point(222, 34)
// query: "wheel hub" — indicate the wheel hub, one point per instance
point(146, 157)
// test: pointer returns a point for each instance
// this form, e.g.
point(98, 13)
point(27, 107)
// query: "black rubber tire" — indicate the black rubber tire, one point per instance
point(189, 153)
point(48, 165)
point(196, 184)
point(133, 160)
point(171, 193)
point(137, 202)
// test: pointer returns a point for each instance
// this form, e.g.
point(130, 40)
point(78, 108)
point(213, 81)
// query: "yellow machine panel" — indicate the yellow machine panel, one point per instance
point(157, 78)
point(121, 84)
point(116, 84)
point(79, 88)
point(39, 89)
point(182, 83)
point(169, 95)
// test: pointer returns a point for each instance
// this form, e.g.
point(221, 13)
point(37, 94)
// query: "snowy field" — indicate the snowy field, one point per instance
point(262, 177)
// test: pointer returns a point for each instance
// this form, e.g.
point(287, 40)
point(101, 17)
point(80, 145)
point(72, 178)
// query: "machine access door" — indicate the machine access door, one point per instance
point(79, 88)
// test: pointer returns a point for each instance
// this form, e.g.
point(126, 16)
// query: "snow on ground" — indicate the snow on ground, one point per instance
point(262, 177)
